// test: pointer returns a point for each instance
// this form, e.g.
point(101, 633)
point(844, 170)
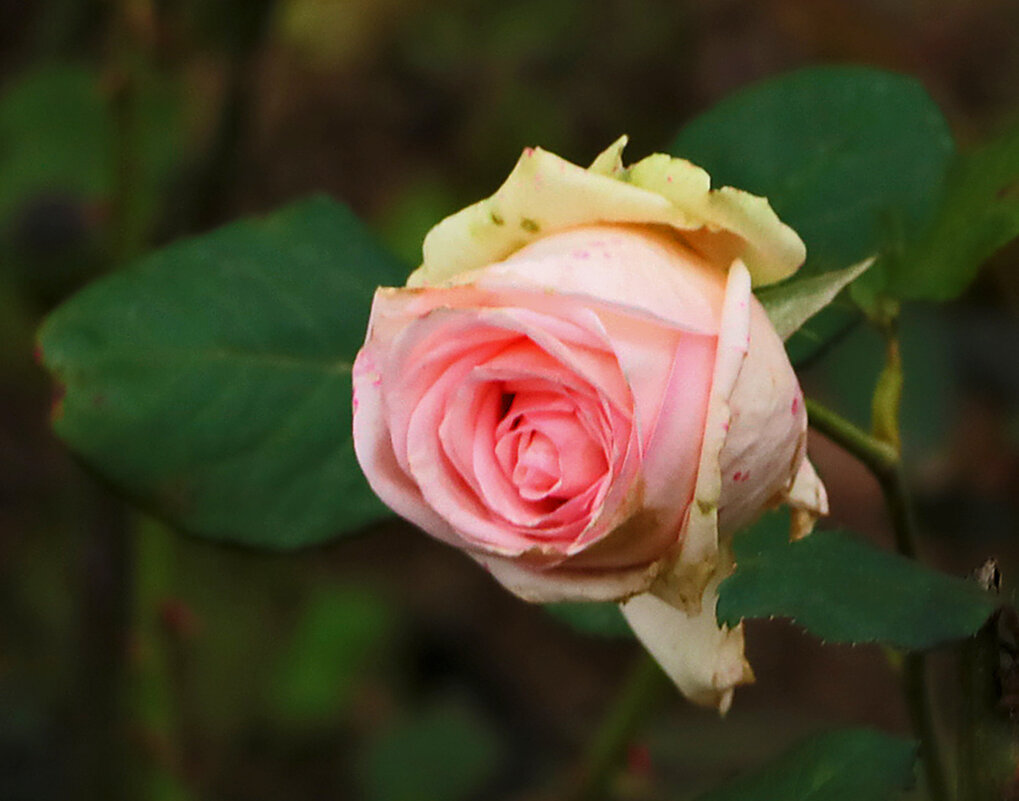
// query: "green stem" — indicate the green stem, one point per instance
point(107, 587)
point(920, 702)
point(879, 456)
point(101, 757)
point(880, 452)
point(900, 509)
point(127, 221)
point(206, 195)
point(644, 686)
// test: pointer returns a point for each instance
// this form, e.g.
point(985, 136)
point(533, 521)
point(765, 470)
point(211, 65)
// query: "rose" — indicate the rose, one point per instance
point(578, 388)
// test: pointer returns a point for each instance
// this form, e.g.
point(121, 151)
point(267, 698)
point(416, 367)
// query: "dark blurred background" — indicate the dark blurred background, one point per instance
point(387, 667)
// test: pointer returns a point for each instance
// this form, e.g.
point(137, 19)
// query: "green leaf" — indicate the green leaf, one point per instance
point(790, 304)
point(447, 752)
point(598, 619)
point(852, 158)
point(979, 214)
point(840, 152)
point(212, 379)
point(842, 589)
point(844, 765)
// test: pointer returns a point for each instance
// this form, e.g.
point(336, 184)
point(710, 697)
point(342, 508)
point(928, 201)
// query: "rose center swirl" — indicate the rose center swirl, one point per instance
point(543, 447)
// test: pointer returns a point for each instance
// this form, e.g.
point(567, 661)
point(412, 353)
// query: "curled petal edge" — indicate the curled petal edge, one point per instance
point(545, 193)
point(807, 499)
point(560, 585)
point(697, 561)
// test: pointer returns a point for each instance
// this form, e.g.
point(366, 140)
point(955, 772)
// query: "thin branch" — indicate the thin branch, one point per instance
point(879, 456)
point(644, 686)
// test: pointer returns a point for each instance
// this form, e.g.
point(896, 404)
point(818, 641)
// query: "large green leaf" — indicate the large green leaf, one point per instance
point(845, 155)
point(978, 215)
point(852, 158)
point(845, 765)
point(842, 589)
point(212, 379)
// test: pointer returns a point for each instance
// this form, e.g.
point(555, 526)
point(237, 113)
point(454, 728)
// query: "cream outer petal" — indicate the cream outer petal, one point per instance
point(545, 193)
point(766, 440)
point(698, 556)
point(539, 586)
point(705, 661)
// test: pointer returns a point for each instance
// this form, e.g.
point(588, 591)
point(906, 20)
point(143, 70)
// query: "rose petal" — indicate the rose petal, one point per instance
point(627, 267)
point(374, 450)
point(808, 499)
point(706, 662)
point(767, 429)
point(698, 554)
point(545, 194)
point(555, 585)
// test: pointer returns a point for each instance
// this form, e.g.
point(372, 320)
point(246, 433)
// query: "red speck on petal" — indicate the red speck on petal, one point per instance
point(737, 475)
point(725, 426)
point(581, 254)
point(638, 760)
point(528, 151)
point(668, 178)
point(796, 404)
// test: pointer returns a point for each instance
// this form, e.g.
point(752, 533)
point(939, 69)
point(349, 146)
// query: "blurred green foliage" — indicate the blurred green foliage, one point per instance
point(978, 215)
point(601, 620)
point(335, 643)
point(444, 751)
point(847, 765)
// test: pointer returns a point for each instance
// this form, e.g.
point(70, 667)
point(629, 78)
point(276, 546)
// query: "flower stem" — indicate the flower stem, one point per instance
point(881, 453)
point(879, 456)
point(644, 686)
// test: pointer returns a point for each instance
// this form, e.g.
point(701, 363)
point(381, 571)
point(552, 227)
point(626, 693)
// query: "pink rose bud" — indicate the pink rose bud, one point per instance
point(579, 389)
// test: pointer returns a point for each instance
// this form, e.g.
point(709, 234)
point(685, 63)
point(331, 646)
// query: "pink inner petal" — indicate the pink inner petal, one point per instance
point(537, 471)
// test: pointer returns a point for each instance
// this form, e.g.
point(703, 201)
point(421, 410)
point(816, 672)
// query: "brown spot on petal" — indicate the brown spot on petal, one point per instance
point(529, 225)
point(706, 507)
point(637, 525)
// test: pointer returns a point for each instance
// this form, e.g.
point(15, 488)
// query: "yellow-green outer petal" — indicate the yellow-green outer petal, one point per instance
point(546, 193)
